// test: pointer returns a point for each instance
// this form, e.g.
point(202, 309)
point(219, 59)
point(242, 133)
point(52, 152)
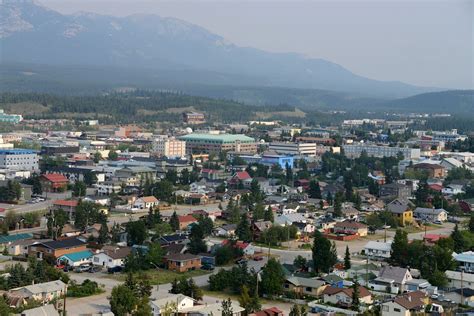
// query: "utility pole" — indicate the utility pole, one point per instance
point(64, 303)
point(462, 285)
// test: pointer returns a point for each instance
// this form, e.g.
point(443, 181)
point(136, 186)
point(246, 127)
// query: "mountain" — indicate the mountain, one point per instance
point(31, 33)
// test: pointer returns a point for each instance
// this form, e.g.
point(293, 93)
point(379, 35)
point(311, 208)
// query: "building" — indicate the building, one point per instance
point(304, 286)
point(193, 118)
point(185, 221)
point(69, 206)
point(42, 310)
point(181, 301)
point(378, 249)
point(10, 118)
point(169, 147)
point(217, 143)
point(395, 277)
point(53, 182)
point(56, 248)
point(293, 149)
point(76, 259)
point(182, 262)
point(111, 257)
point(19, 159)
point(354, 151)
point(343, 296)
point(405, 305)
point(465, 261)
point(458, 279)
point(432, 170)
point(41, 292)
point(402, 210)
point(145, 202)
point(431, 214)
point(350, 228)
point(395, 190)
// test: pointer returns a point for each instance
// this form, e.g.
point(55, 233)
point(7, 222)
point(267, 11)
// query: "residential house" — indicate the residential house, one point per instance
point(173, 239)
point(240, 178)
point(134, 175)
point(41, 292)
point(453, 189)
point(48, 310)
point(145, 202)
point(350, 228)
point(304, 286)
point(378, 249)
point(181, 301)
point(56, 248)
point(247, 248)
point(226, 230)
point(185, 221)
point(458, 279)
point(111, 257)
point(69, 206)
point(20, 247)
point(395, 191)
point(259, 227)
point(402, 210)
point(212, 309)
point(432, 170)
point(6, 240)
point(465, 261)
point(182, 262)
point(76, 259)
point(272, 311)
point(431, 214)
point(463, 296)
point(391, 277)
point(197, 199)
point(343, 296)
point(53, 182)
point(405, 305)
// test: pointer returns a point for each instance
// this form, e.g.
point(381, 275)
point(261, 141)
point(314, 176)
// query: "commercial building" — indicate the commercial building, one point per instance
point(169, 147)
point(193, 118)
point(293, 149)
point(10, 118)
point(354, 151)
point(19, 159)
point(216, 143)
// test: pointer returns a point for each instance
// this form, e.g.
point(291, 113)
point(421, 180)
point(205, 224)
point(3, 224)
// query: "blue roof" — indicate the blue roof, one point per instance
point(17, 151)
point(11, 238)
point(78, 256)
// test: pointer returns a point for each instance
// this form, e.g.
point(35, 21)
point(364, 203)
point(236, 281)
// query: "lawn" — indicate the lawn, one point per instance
point(162, 276)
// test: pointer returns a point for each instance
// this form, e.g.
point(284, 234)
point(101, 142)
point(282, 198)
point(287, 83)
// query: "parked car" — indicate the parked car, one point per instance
point(241, 261)
point(258, 258)
point(94, 269)
point(115, 269)
point(82, 268)
point(208, 267)
point(438, 222)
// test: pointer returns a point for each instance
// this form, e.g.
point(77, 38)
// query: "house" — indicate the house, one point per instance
point(259, 227)
point(458, 279)
point(463, 296)
point(182, 262)
point(402, 210)
point(145, 202)
point(343, 296)
point(173, 239)
point(181, 301)
point(197, 199)
point(304, 286)
point(431, 214)
point(56, 248)
point(304, 228)
point(395, 277)
point(272, 311)
point(247, 248)
point(333, 280)
point(41, 292)
point(212, 309)
point(42, 310)
point(350, 228)
point(53, 182)
point(395, 191)
point(227, 230)
point(432, 170)
point(431, 239)
point(465, 261)
point(20, 247)
point(111, 257)
point(76, 259)
point(69, 206)
point(378, 249)
point(240, 178)
point(185, 221)
point(7, 240)
point(406, 304)
point(453, 189)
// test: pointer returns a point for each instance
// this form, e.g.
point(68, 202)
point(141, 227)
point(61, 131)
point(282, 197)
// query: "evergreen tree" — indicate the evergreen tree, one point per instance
point(243, 229)
point(174, 221)
point(249, 302)
point(122, 300)
point(197, 244)
point(273, 278)
point(355, 296)
point(324, 254)
point(471, 224)
point(398, 255)
point(458, 239)
point(314, 190)
point(258, 212)
point(347, 259)
point(269, 214)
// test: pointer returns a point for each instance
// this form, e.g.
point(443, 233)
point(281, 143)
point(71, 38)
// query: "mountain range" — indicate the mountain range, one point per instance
point(170, 51)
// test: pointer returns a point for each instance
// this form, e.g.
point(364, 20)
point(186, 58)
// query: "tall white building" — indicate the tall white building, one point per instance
point(294, 149)
point(169, 147)
point(353, 151)
point(19, 159)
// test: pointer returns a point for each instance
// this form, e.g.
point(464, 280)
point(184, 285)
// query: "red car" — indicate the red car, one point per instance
point(258, 258)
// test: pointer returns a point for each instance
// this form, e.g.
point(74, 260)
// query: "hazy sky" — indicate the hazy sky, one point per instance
point(422, 42)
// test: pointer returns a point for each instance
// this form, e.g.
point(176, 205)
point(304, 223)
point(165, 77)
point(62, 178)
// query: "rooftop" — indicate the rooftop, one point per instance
point(221, 138)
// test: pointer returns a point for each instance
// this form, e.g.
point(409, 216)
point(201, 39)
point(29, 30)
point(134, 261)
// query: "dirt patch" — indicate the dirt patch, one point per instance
point(296, 113)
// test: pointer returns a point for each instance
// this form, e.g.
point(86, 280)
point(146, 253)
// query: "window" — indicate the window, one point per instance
point(397, 310)
point(385, 308)
point(308, 289)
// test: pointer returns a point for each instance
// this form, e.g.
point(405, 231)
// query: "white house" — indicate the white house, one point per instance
point(110, 258)
point(453, 189)
point(181, 301)
point(145, 202)
point(465, 260)
point(456, 279)
point(405, 305)
point(41, 292)
point(378, 249)
point(432, 214)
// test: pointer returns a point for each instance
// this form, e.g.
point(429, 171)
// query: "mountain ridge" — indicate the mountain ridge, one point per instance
point(32, 33)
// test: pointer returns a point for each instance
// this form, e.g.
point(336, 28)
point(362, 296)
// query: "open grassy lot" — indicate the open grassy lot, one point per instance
point(161, 276)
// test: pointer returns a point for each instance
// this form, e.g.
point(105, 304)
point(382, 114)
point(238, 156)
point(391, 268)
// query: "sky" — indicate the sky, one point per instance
point(421, 42)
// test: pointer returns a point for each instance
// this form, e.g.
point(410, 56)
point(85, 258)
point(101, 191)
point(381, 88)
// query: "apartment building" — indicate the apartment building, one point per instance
point(193, 118)
point(216, 143)
point(293, 149)
point(19, 159)
point(354, 151)
point(169, 147)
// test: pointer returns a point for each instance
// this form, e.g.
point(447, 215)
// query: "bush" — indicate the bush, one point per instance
point(87, 288)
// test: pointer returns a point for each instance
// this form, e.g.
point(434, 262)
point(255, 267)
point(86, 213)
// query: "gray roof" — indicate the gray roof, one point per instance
point(394, 273)
point(39, 288)
point(306, 282)
point(429, 211)
point(398, 206)
point(46, 310)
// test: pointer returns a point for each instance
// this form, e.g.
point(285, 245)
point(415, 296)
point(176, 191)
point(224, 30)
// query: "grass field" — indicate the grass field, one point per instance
point(162, 276)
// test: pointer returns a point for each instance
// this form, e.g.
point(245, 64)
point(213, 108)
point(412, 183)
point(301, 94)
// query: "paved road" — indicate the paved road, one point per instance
point(25, 208)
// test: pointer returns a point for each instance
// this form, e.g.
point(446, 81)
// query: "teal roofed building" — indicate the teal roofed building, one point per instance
point(10, 118)
point(76, 259)
point(215, 143)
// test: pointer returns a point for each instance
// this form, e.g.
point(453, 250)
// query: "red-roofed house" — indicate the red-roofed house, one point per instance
point(247, 248)
point(69, 206)
point(240, 177)
point(53, 182)
point(431, 239)
point(435, 187)
point(272, 311)
point(185, 221)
